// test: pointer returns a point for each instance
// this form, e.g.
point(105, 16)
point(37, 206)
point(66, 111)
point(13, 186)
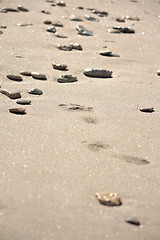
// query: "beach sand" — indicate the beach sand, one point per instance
point(54, 160)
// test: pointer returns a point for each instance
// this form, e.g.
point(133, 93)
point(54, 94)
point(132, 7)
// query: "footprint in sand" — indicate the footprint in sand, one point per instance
point(130, 159)
point(75, 107)
point(91, 120)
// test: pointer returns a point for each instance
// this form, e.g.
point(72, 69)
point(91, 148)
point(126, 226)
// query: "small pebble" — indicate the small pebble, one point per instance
point(60, 35)
point(51, 29)
point(97, 73)
point(10, 10)
point(158, 72)
point(80, 8)
point(64, 47)
point(148, 110)
point(89, 18)
point(108, 54)
point(23, 102)
point(124, 29)
point(57, 24)
point(114, 31)
point(11, 95)
point(37, 75)
point(15, 78)
point(75, 18)
point(132, 220)
point(109, 199)
point(24, 24)
point(120, 19)
point(17, 110)
point(132, 18)
point(45, 12)
point(100, 13)
point(23, 9)
point(76, 46)
point(83, 31)
point(48, 22)
point(35, 91)
point(60, 3)
point(67, 79)
point(59, 66)
point(3, 27)
point(1, 32)
point(25, 73)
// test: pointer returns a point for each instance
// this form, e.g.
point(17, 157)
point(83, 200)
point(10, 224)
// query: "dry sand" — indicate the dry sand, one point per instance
point(50, 169)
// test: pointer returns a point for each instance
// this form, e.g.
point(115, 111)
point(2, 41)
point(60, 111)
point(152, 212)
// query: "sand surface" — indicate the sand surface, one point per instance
point(53, 161)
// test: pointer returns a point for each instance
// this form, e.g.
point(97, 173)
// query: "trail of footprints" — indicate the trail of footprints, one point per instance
point(109, 199)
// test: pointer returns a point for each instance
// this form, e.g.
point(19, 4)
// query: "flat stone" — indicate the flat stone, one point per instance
point(17, 110)
point(147, 109)
point(114, 31)
point(48, 22)
point(51, 29)
point(67, 79)
point(81, 8)
point(83, 31)
point(158, 72)
point(97, 73)
point(75, 18)
point(120, 19)
point(45, 12)
point(23, 102)
point(124, 29)
point(132, 220)
point(59, 66)
point(35, 91)
point(89, 18)
point(11, 95)
point(100, 13)
point(24, 73)
point(23, 9)
point(76, 46)
point(61, 3)
point(58, 35)
point(37, 75)
point(132, 18)
point(64, 47)
point(57, 23)
point(3, 27)
point(15, 77)
point(108, 54)
point(24, 24)
point(109, 199)
point(10, 10)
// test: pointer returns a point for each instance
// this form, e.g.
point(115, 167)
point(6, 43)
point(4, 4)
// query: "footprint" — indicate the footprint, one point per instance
point(130, 159)
point(96, 147)
point(75, 107)
point(91, 120)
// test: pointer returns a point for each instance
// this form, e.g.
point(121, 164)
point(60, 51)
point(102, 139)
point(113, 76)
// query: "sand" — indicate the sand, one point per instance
point(53, 161)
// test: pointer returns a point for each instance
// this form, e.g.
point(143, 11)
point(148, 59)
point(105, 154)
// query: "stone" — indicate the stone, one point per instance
point(124, 29)
point(75, 18)
point(81, 8)
point(15, 77)
point(45, 12)
point(89, 18)
point(17, 110)
point(48, 22)
point(100, 13)
point(57, 24)
point(108, 54)
point(64, 47)
point(114, 31)
point(23, 102)
point(1, 32)
point(131, 159)
point(60, 3)
point(67, 79)
point(10, 10)
point(132, 18)
point(97, 73)
point(11, 95)
point(37, 75)
point(51, 29)
point(75, 107)
point(109, 199)
point(83, 31)
point(24, 24)
point(3, 27)
point(59, 66)
point(120, 19)
point(58, 35)
point(158, 72)
point(35, 91)
point(147, 109)
point(24, 73)
point(132, 220)
point(23, 9)
point(76, 46)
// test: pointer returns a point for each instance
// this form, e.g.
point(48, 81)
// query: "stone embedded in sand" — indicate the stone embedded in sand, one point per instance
point(109, 199)
point(108, 54)
point(81, 8)
point(158, 72)
point(10, 10)
point(35, 91)
point(120, 19)
point(25, 73)
point(51, 29)
point(75, 18)
point(100, 13)
point(15, 77)
point(148, 109)
point(67, 79)
point(48, 22)
point(114, 31)
point(57, 24)
point(11, 95)
point(76, 46)
point(23, 9)
point(37, 75)
point(17, 110)
point(83, 31)
point(64, 47)
point(132, 18)
point(60, 3)
point(59, 66)
point(132, 220)
point(97, 73)
point(58, 35)
point(45, 12)
point(24, 24)
point(124, 29)
point(89, 18)
point(23, 102)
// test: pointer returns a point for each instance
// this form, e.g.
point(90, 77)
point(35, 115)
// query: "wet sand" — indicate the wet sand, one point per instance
point(53, 161)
